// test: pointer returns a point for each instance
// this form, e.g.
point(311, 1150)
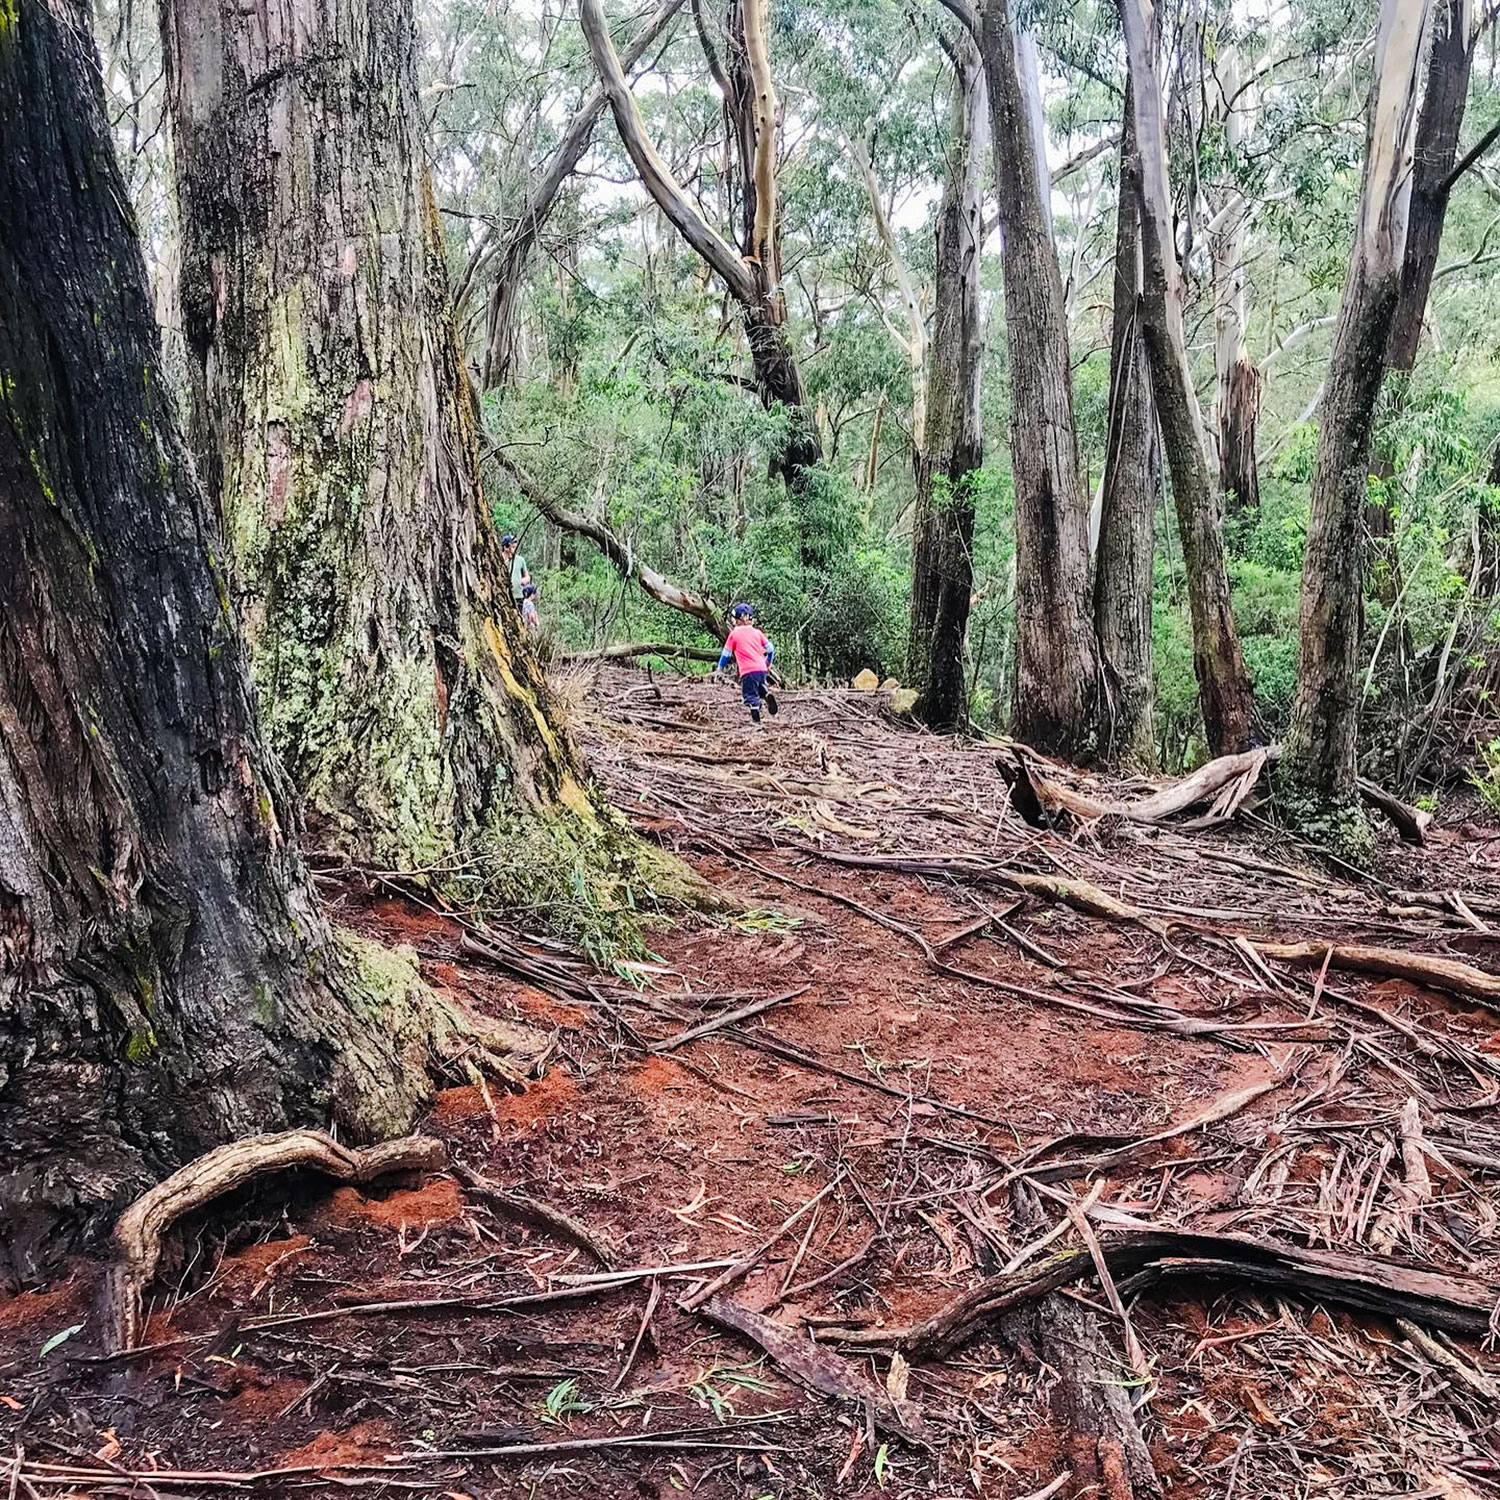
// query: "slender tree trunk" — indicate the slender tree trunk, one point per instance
point(1239, 385)
point(1439, 123)
point(1055, 679)
point(514, 250)
point(751, 273)
point(337, 430)
point(953, 446)
point(168, 980)
point(1125, 566)
point(1325, 714)
point(1230, 720)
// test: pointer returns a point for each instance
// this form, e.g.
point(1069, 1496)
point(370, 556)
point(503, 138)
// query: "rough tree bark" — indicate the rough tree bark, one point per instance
point(952, 447)
point(1125, 564)
point(1325, 713)
point(752, 274)
point(1230, 720)
point(512, 251)
point(336, 428)
point(167, 978)
point(1056, 666)
point(1239, 385)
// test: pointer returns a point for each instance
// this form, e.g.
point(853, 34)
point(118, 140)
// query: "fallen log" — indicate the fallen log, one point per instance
point(1224, 783)
point(1140, 1257)
point(141, 1228)
point(627, 650)
point(820, 1369)
point(1411, 822)
point(1427, 969)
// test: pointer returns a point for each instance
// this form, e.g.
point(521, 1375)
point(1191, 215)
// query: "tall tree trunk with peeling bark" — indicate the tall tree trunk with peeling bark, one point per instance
point(1227, 700)
point(336, 428)
point(1321, 742)
point(168, 980)
point(1125, 562)
point(1056, 663)
point(952, 446)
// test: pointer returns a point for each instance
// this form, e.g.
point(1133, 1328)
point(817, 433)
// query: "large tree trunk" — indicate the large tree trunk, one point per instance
point(337, 431)
point(1125, 565)
point(1230, 720)
point(167, 978)
point(953, 433)
point(1055, 686)
point(1325, 714)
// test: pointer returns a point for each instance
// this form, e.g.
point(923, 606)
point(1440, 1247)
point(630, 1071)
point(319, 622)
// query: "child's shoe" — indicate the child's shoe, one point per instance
point(772, 704)
point(755, 716)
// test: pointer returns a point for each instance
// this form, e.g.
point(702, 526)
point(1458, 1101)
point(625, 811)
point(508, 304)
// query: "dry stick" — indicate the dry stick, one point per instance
point(1139, 1364)
point(635, 1348)
point(797, 1259)
point(518, 1205)
point(139, 1231)
point(1426, 969)
point(827, 1276)
point(733, 1273)
point(691, 1438)
point(717, 1023)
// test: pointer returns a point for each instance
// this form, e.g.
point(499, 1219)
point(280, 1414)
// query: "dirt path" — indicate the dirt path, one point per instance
point(953, 1063)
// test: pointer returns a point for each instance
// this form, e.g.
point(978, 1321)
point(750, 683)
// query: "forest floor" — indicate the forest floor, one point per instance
point(957, 1076)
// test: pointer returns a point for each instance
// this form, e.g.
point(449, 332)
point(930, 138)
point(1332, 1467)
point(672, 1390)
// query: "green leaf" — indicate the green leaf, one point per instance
point(882, 1462)
point(59, 1338)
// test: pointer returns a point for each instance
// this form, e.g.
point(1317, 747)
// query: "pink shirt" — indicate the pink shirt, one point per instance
point(749, 647)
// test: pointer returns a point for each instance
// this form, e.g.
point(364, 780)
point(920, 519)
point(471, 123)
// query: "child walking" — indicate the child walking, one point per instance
point(752, 654)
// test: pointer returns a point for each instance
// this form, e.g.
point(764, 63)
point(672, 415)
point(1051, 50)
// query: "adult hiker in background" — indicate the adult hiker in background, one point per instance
point(753, 655)
point(516, 564)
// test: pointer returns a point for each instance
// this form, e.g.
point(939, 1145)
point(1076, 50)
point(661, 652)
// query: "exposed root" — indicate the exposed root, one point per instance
point(141, 1228)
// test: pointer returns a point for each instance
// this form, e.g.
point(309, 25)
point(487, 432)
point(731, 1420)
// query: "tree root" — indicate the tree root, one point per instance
point(1426, 969)
point(1145, 1255)
point(141, 1228)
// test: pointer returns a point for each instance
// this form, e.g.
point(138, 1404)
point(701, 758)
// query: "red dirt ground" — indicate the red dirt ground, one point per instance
point(700, 1156)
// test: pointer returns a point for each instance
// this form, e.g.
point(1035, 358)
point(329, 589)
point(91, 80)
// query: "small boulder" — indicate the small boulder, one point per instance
point(866, 682)
point(903, 700)
point(889, 685)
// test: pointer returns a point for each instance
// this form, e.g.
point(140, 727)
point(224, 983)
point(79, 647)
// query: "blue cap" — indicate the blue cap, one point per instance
point(743, 611)
point(508, 540)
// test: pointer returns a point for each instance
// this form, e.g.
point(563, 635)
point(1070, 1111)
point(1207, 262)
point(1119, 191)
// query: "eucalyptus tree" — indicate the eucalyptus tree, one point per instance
point(335, 427)
point(168, 979)
point(1321, 744)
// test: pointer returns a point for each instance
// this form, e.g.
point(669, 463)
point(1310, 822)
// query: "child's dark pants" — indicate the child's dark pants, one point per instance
point(753, 690)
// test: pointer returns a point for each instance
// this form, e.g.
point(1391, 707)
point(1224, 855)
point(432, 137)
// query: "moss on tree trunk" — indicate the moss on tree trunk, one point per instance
point(167, 977)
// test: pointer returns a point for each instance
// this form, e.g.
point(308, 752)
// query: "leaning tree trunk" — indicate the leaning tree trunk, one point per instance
point(167, 978)
point(1125, 565)
point(337, 431)
point(1325, 713)
point(1230, 720)
point(1055, 685)
point(1436, 149)
point(952, 448)
point(752, 273)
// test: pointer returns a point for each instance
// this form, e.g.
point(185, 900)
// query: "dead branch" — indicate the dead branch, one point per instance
point(819, 1369)
point(1411, 822)
point(534, 1211)
point(626, 650)
point(1148, 1255)
point(1427, 969)
point(139, 1233)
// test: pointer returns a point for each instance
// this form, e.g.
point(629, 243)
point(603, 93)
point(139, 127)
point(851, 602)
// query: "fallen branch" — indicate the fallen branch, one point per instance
point(1411, 822)
point(716, 1023)
point(1427, 969)
point(626, 650)
point(1147, 1255)
point(519, 1206)
point(819, 1369)
point(138, 1234)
